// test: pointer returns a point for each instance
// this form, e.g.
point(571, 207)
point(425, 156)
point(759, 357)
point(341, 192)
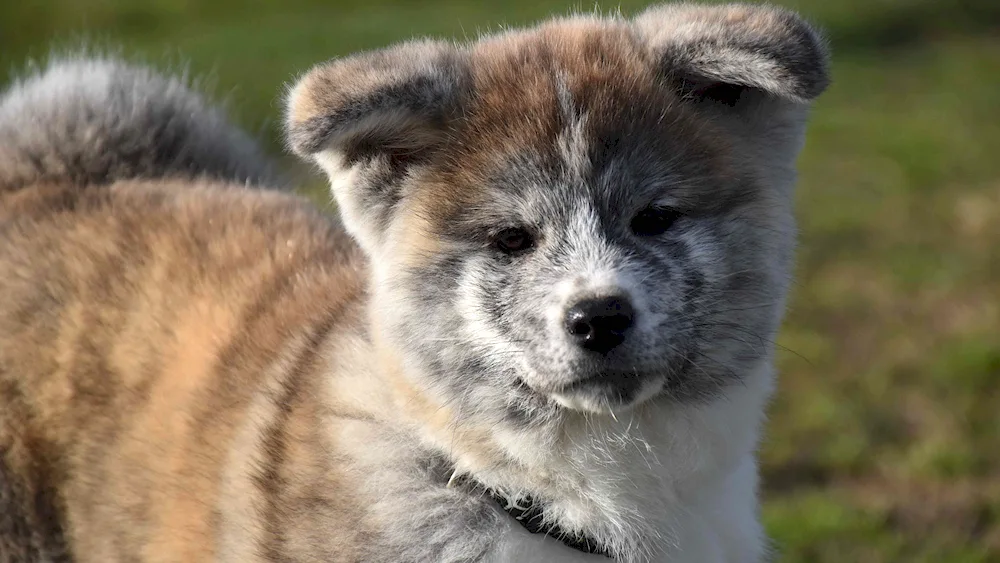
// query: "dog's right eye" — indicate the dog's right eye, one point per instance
point(513, 240)
point(654, 220)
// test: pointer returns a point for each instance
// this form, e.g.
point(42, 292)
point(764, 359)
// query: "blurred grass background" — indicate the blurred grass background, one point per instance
point(884, 439)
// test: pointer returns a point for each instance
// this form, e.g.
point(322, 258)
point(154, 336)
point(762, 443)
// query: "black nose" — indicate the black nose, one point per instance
point(600, 324)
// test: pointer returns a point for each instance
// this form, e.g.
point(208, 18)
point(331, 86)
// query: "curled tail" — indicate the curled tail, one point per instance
point(97, 120)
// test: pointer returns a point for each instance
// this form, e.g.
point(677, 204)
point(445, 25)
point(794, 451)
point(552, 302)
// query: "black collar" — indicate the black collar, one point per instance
point(529, 515)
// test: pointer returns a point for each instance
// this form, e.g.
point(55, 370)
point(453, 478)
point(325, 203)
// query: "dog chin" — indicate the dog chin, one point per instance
point(598, 396)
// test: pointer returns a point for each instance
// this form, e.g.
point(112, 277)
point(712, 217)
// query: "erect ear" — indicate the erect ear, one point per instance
point(368, 119)
point(721, 52)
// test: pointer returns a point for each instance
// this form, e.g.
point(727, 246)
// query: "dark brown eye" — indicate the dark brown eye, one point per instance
point(513, 240)
point(654, 220)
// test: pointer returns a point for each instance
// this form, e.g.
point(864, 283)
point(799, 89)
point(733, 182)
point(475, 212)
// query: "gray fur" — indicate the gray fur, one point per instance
point(97, 120)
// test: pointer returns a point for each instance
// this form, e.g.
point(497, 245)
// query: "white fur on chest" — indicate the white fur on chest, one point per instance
point(662, 483)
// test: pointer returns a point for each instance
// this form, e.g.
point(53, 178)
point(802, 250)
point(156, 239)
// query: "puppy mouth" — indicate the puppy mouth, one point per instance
point(608, 392)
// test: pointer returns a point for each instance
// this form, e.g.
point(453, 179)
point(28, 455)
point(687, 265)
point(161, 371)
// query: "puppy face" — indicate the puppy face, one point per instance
point(587, 215)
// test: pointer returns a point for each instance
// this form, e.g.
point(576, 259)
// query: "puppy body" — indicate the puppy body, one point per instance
point(194, 370)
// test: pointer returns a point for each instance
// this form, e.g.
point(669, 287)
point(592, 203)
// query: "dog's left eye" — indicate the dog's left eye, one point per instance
point(654, 220)
point(513, 240)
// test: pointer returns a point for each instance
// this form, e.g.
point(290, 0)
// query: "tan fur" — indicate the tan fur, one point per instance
point(137, 339)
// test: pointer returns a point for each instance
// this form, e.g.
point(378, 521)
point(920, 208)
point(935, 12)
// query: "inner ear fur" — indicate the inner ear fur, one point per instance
point(719, 52)
point(393, 102)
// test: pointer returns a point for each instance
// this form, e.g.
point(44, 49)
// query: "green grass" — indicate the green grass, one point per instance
point(884, 439)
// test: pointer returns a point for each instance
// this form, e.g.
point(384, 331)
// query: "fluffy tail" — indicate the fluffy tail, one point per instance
point(94, 121)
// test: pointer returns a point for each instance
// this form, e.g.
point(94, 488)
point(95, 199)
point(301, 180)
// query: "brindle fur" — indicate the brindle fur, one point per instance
point(197, 368)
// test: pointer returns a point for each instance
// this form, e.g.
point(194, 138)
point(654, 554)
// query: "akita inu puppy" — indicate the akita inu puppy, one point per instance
point(543, 332)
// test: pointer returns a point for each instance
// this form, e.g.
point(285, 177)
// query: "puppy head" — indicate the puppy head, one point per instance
point(586, 215)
